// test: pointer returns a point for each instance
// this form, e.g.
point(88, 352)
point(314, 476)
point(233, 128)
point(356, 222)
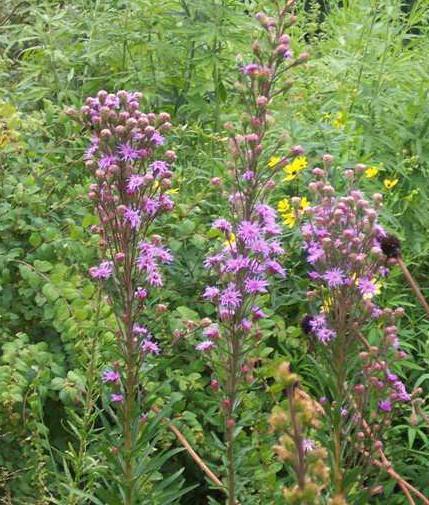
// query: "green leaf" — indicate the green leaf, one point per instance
point(51, 292)
point(43, 266)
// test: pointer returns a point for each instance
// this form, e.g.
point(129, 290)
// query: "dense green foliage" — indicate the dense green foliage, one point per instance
point(363, 97)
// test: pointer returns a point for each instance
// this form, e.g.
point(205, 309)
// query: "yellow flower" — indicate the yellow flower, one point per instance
point(283, 205)
point(230, 241)
point(304, 203)
point(390, 183)
point(292, 169)
point(339, 121)
point(274, 161)
point(326, 116)
point(327, 304)
point(371, 172)
point(289, 219)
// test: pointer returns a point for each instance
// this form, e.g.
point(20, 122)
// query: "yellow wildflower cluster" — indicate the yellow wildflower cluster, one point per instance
point(289, 213)
point(339, 121)
point(274, 161)
point(390, 183)
point(371, 172)
point(294, 168)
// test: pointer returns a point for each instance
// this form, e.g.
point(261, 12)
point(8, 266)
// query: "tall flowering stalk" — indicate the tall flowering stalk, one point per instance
point(295, 419)
point(132, 173)
point(249, 256)
point(342, 240)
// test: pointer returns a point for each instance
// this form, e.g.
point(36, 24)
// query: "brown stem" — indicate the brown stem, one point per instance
point(181, 438)
point(297, 437)
point(402, 483)
point(413, 284)
point(386, 465)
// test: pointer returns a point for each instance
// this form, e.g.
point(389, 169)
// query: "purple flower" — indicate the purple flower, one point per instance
point(274, 267)
point(391, 377)
point(334, 277)
point(165, 202)
point(248, 231)
point(140, 293)
point(154, 278)
point(205, 346)
point(92, 149)
point(258, 313)
point(148, 346)
point(246, 325)
point(212, 261)
point(117, 398)
point(110, 376)
point(308, 445)
point(366, 286)
point(103, 271)
point(385, 405)
point(107, 161)
point(211, 293)
point(266, 213)
point(400, 393)
point(260, 246)
point(157, 138)
point(237, 264)
point(150, 206)
point(230, 297)
point(127, 152)
point(254, 286)
point(325, 335)
point(159, 168)
point(135, 182)
point(140, 330)
point(276, 248)
point(148, 259)
point(314, 253)
point(318, 322)
point(212, 331)
point(133, 217)
point(222, 225)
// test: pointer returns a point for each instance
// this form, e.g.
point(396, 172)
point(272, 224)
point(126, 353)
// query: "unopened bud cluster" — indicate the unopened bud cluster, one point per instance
point(295, 419)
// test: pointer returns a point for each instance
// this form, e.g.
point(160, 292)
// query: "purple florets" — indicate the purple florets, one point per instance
point(103, 271)
point(205, 346)
point(148, 346)
point(111, 377)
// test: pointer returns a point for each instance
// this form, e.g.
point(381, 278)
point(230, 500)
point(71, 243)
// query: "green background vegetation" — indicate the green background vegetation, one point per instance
point(363, 97)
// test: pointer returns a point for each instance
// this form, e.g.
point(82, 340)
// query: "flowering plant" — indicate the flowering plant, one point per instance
point(343, 243)
point(132, 172)
point(251, 249)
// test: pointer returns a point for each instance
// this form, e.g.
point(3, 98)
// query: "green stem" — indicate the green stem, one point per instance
point(233, 379)
point(88, 419)
point(337, 425)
